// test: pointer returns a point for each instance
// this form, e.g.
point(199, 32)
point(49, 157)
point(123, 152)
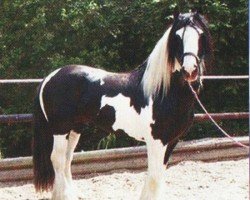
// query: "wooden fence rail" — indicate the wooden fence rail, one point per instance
point(132, 158)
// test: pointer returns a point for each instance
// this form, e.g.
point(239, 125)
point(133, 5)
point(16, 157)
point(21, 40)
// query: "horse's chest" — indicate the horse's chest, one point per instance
point(120, 115)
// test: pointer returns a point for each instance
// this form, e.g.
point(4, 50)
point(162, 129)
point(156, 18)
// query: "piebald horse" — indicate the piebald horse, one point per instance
point(152, 103)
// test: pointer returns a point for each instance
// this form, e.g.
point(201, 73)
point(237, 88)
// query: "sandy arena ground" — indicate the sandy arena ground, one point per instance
point(228, 180)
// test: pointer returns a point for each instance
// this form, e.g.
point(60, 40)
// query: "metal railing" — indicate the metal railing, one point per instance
point(28, 118)
point(211, 77)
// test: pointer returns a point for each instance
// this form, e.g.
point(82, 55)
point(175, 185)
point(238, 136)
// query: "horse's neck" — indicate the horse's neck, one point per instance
point(179, 96)
point(135, 76)
point(179, 92)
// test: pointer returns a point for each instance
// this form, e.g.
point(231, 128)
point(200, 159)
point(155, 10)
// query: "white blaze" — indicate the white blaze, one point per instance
point(190, 44)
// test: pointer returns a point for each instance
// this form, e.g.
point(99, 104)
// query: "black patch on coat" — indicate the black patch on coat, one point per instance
point(173, 114)
point(170, 148)
point(106, 118)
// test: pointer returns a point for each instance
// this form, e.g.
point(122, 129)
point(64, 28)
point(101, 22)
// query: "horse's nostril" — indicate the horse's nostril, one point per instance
point(192, 76)
point(194, 73)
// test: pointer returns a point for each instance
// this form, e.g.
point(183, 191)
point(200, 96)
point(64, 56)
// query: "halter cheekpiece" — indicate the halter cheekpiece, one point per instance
point(198, 60)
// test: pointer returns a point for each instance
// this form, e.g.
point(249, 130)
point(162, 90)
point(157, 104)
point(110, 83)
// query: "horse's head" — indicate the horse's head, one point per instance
point(185, 46)
point(189, 43)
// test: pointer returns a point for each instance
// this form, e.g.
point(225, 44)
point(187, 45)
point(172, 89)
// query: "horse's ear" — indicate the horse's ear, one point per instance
point(176, 13)
point(197, 11)
point(194, 10)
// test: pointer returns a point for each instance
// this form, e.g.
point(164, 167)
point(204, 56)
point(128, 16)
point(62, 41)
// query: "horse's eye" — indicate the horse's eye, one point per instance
point(178, 39)
point(178, 45)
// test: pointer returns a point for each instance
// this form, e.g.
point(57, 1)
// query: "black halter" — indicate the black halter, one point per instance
point(198, 60)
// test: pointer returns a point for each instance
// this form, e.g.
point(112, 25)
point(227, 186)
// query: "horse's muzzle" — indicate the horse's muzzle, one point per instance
point(190, 76)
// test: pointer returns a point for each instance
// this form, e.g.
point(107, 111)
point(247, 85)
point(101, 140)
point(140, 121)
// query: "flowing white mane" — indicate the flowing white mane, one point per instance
point(157, 73)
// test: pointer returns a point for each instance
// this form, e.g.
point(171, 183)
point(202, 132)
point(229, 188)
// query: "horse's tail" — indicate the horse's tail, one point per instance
point(42, 147)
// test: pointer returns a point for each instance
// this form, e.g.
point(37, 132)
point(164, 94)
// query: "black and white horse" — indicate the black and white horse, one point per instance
point(152, 103)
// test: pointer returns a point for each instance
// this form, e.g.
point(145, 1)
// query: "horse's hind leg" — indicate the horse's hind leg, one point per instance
point(152, 189)
point(73, 139)
point(61, 189)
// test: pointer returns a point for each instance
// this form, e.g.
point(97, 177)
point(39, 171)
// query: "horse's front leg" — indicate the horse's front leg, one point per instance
point(154, 182)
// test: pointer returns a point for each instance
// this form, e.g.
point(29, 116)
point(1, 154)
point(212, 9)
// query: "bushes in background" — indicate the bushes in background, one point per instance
point(37, 36)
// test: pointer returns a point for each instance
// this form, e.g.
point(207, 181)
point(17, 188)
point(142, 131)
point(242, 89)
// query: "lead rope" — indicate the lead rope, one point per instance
point(215, 123)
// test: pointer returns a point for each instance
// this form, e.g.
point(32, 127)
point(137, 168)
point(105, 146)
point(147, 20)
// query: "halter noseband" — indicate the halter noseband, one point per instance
point(198, 60)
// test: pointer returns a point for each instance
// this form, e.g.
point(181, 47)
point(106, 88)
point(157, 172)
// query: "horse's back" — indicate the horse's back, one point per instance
point(72, 95)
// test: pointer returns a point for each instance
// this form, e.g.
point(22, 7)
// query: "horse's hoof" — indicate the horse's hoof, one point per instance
point(64, 196)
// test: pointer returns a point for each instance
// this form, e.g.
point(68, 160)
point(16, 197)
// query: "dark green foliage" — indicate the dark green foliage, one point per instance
point(37, 36)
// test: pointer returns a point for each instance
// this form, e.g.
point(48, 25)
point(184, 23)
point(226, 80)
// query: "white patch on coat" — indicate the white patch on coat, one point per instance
point(190, 44)
point(93, 74)
point(127, 119)
point(46, 80)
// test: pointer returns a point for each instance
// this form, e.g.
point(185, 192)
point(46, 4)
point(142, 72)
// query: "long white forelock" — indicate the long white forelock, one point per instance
point(157, 72)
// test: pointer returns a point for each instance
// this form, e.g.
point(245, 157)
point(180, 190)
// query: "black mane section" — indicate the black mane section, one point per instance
point(202, 23)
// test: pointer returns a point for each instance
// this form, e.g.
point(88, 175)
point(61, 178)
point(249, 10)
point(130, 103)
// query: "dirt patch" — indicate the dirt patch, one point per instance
point(227, 180)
